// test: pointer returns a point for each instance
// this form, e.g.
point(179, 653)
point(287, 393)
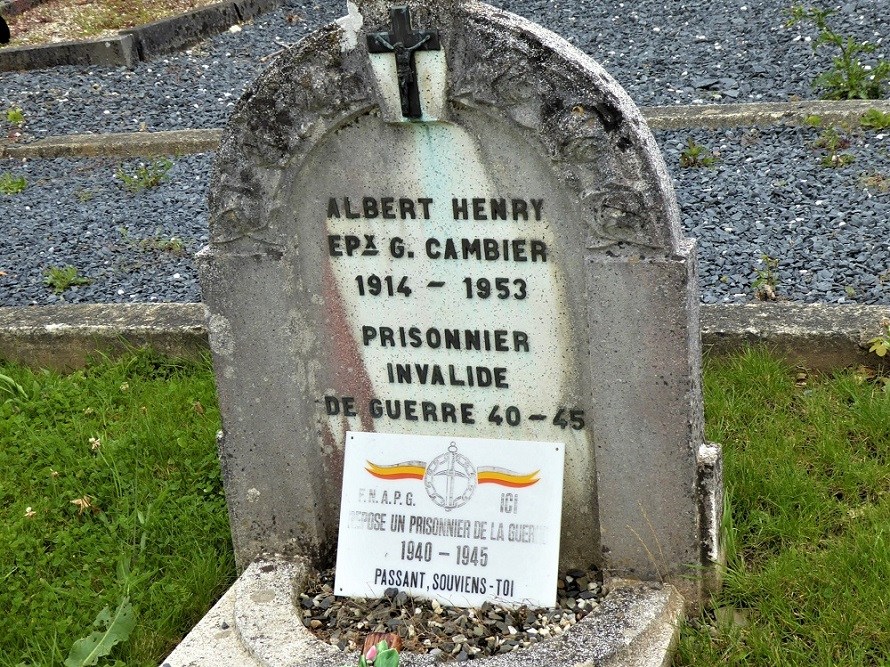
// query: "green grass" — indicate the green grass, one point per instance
point(134, 441)
point(806, 464)
point(807, 468)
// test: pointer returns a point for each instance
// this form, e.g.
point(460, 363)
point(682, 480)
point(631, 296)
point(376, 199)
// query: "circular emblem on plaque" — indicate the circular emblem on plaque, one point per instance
point(450, 479)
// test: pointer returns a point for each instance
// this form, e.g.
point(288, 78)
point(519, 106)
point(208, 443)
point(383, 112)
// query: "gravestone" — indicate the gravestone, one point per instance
point(441, 220)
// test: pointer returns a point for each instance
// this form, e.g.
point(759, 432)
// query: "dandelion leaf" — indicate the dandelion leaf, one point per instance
point(387, 658)
point(113, 629)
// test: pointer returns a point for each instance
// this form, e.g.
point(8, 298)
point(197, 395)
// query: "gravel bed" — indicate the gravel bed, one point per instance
point(449, 633)
point(133, 246)
point(767, 195)
point(661, 52)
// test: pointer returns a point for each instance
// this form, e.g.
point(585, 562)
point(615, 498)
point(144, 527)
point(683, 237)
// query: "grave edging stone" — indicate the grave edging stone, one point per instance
point(816, 336)
point(184, 142)
point(119, 50)
point(140, 43)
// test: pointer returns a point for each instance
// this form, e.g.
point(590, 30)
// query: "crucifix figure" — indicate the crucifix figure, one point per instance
point(402, 42)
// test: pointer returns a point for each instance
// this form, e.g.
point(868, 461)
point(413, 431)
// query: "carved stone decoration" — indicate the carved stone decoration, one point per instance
point(620, 214)
point(573, 120)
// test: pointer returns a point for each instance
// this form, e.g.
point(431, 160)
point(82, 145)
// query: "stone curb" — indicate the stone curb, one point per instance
point(184, 142)
point(256, 623)
point(814, 336)
point(122, 144)
point(140, 43)
point(716, 116)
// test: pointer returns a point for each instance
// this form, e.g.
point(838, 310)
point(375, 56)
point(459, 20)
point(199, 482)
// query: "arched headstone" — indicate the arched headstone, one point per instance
point(418, 192)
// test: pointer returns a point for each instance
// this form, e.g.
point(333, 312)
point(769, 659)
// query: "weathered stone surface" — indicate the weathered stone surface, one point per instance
point(814, 336)
point(678, 117)
point(649, 424)
point(184, 142)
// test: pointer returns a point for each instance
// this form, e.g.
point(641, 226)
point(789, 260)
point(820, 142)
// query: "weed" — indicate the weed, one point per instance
point(158, 243)
point(12, 388)
point(145, 175)
point(126, 236)
point(813, 121)
point(60, 278)
point(83, 195)
point(875, 182)
point(15, 116)
point(767, 281)
point(875, 119)
point(836, 160)
point(696, 155)
point(12, 185)
point(849, 78)
point(833, 142)
point(880, 344)
point(113, 629)
point(173, 245)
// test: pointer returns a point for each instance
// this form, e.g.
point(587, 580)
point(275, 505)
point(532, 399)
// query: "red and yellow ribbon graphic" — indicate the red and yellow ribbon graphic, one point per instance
point(416, 470)
point(406, 470)
point(506, 477)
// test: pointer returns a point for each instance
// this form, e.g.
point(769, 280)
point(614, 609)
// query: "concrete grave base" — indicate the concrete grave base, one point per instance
point(257, 623)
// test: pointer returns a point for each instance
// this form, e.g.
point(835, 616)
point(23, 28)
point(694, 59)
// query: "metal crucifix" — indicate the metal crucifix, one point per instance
point(402, 42)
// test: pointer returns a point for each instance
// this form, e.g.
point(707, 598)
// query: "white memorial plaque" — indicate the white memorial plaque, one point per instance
point(459, 520)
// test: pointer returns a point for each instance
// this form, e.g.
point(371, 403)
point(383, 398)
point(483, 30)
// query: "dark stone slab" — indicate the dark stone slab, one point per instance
point(140, 43)
point(247, 9)
point(170, 34)
point(109, 52)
